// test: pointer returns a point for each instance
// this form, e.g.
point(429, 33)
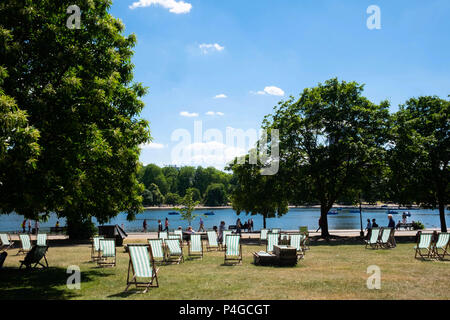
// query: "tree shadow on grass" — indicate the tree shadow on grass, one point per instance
point(40, 284)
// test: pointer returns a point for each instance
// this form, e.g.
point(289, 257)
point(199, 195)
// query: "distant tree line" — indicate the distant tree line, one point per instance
point(168, 185)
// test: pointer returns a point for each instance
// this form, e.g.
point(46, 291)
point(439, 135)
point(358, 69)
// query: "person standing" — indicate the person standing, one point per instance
point(238, 226)
point(144, 225)
point(202, 227)
point(36, 226)
point(251, 224)
point(320, 224)
point(160, 228)
point(24, 224)
point(374, 224)
point(368, 228)
point(221, 229)
point(29, 226)
point(166, 225)
point(391, 223)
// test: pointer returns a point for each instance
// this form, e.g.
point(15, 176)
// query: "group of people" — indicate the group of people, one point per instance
point(373, 224)
point(26, 222)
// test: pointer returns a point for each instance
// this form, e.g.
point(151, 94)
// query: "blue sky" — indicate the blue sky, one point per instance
point(190, 52)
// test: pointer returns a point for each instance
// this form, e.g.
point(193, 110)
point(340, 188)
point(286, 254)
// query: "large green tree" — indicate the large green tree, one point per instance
point(215, 195)
point(419, 159)
point(331, 140)
point(76, 86)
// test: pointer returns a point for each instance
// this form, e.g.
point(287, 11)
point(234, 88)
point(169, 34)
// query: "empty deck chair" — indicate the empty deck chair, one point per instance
point(225, 233)
point(163, 235)
point(425, 244)
point(25, 242)
point(276, 230)
point(212, 240)
point(233, 251)
point(175, 253)
point(6, 241)
point(41, 239)
point(296, 242)
point(157, 250)
point(142, 267)
point(34, 256)
point(107, 253)
point(373, 240)
point(386, 240)
point(95, 249)
point(176, 237)
point(272, 240)
point(263, 235)
point(442, 244)
point(180, 234)
point(195, 248)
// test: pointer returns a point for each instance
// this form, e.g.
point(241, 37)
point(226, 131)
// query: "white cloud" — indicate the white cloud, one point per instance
point(221, 96)
point(152, 146)
point(188, 114)
point(209, 47)
point(271, 90)
point(174, 6)
point(212, 113)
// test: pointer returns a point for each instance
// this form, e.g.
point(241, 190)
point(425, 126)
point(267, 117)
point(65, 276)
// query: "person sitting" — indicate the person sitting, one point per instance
point(190, 230)
point(374, 224)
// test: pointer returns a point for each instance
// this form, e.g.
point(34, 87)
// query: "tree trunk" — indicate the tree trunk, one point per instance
point(442, 216)
point(324, 220)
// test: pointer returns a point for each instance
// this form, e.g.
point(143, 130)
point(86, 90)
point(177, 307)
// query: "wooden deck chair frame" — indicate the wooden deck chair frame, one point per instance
point(171, 256)
point(9, 244)
point(429, 248)
point(107, 260)
point(373, 241)
point(195, 254)
point(95, 252)
point(444, 247)
point(261, 237)
point(147, 253)
point(160, 243)
point(36, 261)
point(295, 239)
point(274, 236)
point(210, 245)
point(22, 249)
point(384, 240)
point(233, 258)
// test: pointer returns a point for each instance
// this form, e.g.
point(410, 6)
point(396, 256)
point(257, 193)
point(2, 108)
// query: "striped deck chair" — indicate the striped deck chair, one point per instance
point(6, 241)
point(25, 242)
point(179, 233)
point(263, 235)
point(34, 256)
point(224, 238)
point(373, 241)
point(176, 237)
point(195, 248)
point(304, 231)
point(95, 249)
point(107, 253)
point(233, 251)
point(41, 239)
point(442, 244)
point(276, 230)
point(175, 253)
point(296, 242)
point(157, 249)
point(425, 243)
point(385, 239)
point(272, 240)
point(212, 240)
point(163, 235)
point(143, 267)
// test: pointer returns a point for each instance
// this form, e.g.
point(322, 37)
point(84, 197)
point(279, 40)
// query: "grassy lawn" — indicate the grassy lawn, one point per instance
point(327, 272)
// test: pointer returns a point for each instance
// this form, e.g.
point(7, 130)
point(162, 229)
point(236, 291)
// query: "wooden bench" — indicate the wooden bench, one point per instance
point(406, 226)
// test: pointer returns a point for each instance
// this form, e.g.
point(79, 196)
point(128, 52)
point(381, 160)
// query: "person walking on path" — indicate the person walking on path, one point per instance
point(24, 224)
point(202, 227)
point(368, 228)
point(36, 226)
point(144, 225)
point(166, 225)
point(391, 223)
point(29, 226)
point(320, 224)
point(238, 226)
point(160, 228)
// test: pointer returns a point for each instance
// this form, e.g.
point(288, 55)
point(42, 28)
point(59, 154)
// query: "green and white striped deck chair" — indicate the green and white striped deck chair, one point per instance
point(95, 249)
point(442, 244)
point(212, 240)
point(233, 251)
point(272, 240)
point(305, 242)
point(143, 267)
point(175, 253)
point(25, 242)
point(296, 242)
point(107, 253)
point(41, 239)
point(195, 248)
point(224, 237)
point(6, 241)
point(263, 235)
point(180, 234)
point(385, 239)
point(425, 244)
point(163, 235)
point(176, 237)
point(157, 249)
point(373, 240)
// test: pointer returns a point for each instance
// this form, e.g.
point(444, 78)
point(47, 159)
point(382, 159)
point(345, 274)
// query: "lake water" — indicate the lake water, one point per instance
point(346, 219)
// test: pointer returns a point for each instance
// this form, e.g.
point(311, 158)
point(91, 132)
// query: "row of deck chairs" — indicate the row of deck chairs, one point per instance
point(426, 248)
point(34, 253)
point(381, 238)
